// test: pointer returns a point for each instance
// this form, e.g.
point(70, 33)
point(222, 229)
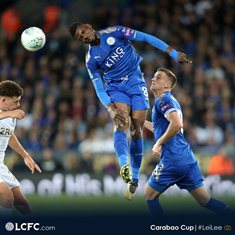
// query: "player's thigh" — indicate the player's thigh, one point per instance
point(124, 107)
point(138, 117)
point(8, 177)
point(150, 193)
point(6, 196)
point(201, 195)
point(137, 122)
point(162, 177)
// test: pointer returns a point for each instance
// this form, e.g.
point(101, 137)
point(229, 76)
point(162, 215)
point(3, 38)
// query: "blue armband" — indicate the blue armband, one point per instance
point(174, 54)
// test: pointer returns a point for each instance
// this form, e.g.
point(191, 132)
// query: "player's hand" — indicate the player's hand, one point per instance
point(17, 113)
point(157, 149)
point(118, 116)
point(182, 58)
point(30, 163)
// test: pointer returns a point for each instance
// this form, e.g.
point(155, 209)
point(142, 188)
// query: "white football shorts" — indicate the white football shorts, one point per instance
point(7, 177)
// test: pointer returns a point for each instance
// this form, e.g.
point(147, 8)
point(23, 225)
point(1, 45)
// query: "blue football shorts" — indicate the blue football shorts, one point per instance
point(187, 177)
point(130, 90)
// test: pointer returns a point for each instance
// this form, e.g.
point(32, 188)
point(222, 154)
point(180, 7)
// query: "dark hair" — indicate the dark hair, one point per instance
point(73, 28)
point(170, 75)
point(10, 89)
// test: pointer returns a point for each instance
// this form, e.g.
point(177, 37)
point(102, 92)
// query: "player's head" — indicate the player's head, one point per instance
point(10, 95)
point(82, 32)
point(163, 80)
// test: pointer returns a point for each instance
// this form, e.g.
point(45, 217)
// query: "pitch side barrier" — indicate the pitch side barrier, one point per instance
point(100, 185)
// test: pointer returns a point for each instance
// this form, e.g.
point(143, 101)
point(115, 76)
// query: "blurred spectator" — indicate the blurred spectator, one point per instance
point(221, 164)
point(11, 23)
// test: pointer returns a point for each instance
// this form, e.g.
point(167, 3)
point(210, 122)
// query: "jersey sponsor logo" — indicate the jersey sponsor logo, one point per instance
point(6, 131)
point(127, 31)
point(110, 40)
point(164, 106)
point(115, 57)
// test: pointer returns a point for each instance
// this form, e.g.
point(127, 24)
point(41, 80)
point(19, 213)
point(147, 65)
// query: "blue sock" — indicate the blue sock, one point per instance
point(219, 207)
point(121, 147)
point(155, 207)
point(136, 154)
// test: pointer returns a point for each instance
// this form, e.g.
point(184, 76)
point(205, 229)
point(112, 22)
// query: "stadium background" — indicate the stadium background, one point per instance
point(69, 133)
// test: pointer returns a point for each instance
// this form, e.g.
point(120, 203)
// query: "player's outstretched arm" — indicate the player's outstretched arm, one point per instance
point(161, 45)
point(180, 57)
point(17, 113)
point(18, 148)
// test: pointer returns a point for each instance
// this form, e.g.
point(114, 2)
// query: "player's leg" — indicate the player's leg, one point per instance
point(151, 196)
point(204, 199)
point(193, 182)
point(136, 145)
point(20, 201)
point(6, 200)
point(121, 143)
point(160, 180)
point(136, 149)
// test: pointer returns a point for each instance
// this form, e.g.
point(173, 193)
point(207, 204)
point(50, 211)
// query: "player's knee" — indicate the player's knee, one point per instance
point(7, 200)
point(202, 200)
point(21, 201)
point(136, 133)
point(150, 194)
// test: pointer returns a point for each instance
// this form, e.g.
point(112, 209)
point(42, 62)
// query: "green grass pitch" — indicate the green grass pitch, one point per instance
point(113, 204)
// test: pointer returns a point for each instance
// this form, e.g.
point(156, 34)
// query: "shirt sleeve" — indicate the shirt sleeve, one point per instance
point(137, 36)
point(165, 106)
point(97, 81)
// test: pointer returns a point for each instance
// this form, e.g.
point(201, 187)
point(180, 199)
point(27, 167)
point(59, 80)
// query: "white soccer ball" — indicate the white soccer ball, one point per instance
point(33, 39)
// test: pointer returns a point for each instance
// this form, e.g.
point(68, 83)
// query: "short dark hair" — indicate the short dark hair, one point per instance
point(10, 89)
point(73, 28)
point(170, 75)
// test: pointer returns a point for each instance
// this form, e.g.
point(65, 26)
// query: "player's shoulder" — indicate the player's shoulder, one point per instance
point(164, 97)
point(109, 30)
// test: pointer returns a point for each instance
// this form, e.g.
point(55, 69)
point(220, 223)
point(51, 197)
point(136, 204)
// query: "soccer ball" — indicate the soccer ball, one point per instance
point(33, 39)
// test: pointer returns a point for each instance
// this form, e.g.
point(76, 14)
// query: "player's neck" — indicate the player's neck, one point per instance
point(96, 42)
point(158, 93)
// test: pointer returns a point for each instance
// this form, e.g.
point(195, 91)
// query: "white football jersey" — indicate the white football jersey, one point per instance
point(7, 128)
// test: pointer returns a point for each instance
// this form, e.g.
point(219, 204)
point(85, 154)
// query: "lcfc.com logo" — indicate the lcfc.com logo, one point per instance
point(24, 226)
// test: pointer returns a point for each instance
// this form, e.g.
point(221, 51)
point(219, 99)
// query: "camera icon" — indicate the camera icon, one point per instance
point(227, 227)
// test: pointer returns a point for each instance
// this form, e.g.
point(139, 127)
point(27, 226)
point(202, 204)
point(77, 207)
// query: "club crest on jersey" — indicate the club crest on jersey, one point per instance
point(110, 40)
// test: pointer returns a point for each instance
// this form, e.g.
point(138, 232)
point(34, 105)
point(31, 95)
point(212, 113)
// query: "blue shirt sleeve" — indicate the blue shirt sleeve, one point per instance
point(97, 81)
point(137, 36)
point(165, 105)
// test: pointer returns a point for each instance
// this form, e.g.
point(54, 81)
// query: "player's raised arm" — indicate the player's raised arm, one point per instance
point(157, 43)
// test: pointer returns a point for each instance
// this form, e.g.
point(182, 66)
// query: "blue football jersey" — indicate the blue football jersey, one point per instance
point(115, 59)
point(115, 55)
point(177, 150)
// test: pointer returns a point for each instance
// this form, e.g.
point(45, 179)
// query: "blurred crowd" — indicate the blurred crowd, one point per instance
point(66, 127)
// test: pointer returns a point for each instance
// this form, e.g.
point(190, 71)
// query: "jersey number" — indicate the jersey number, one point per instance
point(145, 92)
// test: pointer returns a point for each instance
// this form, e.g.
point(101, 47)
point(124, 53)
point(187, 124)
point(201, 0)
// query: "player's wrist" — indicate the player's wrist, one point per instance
point(174, 54)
